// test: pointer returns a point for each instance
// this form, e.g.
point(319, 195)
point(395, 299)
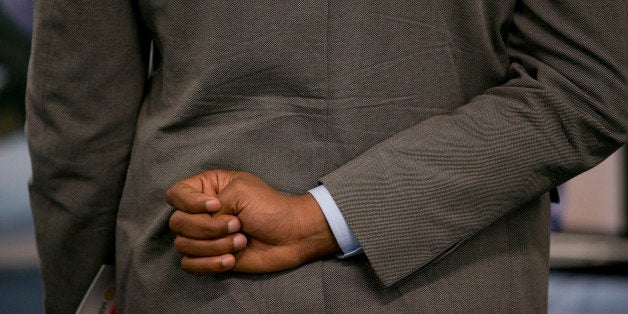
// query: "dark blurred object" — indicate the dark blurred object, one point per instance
point(14, 53)
point(20, 12)
point(625, 193)
point(21, 291)
point(589, 252)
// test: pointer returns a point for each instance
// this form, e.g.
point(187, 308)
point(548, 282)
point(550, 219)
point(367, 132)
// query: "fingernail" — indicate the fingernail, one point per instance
point(239, 242)
point(212, 205)
point(233, 226)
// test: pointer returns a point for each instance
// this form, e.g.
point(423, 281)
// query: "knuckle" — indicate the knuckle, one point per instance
point(181, 244)
point(187, 266)
point(169, 196)
point(171, 193)
point(244, 183)
point(238, 184)
point(176, 223)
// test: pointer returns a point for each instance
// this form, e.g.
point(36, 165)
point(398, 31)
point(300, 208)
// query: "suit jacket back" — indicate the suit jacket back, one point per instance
point(437, 126)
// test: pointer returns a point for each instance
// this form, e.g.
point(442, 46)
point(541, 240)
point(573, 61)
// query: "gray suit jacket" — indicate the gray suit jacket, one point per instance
point(437, 126)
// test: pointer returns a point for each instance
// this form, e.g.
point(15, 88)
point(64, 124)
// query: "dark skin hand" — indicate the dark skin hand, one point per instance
point(229, 220)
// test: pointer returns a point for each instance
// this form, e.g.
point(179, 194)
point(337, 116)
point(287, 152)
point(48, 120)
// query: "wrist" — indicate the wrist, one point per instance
point(318, 240)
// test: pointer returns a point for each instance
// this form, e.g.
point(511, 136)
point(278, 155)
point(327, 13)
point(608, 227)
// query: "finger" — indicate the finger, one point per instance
point(184, 197)
point(213, 181)
point(207, 248)
point(207, 265)
point(203, 226)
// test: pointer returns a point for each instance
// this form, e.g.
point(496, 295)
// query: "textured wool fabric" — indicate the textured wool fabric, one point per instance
point(437, 126)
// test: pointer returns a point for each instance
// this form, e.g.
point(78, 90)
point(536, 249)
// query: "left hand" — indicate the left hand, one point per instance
point(282, 231)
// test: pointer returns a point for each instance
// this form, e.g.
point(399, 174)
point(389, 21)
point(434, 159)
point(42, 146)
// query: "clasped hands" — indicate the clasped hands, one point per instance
point(227, 220)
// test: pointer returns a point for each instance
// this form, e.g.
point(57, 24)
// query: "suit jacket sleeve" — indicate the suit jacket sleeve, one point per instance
point(85, 86)
point(562, 110)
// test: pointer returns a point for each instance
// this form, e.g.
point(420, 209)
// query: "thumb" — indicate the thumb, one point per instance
point(184, 197)
point(244, 191)
point(198, 194)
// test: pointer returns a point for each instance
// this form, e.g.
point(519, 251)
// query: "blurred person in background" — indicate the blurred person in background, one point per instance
point(15, 28)
point(427, 132)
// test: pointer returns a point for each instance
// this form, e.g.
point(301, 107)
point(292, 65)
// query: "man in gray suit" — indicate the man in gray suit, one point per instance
point(428, 133)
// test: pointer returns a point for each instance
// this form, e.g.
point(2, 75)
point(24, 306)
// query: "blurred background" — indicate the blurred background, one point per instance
point(589, 247)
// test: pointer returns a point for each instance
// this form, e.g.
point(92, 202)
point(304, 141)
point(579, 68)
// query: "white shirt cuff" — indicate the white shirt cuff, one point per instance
point(339, 227)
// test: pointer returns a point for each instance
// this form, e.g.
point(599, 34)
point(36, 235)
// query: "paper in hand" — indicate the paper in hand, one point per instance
point(100, 296)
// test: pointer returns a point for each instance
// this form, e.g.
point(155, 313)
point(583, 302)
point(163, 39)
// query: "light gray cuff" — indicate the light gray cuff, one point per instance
point(339, 227)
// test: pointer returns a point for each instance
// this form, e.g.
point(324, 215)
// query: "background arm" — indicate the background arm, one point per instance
point(85, 86)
